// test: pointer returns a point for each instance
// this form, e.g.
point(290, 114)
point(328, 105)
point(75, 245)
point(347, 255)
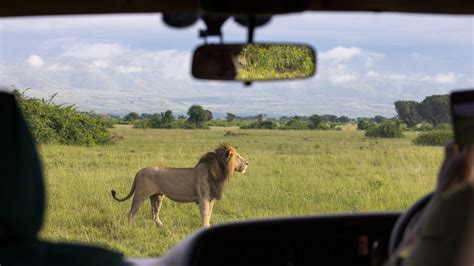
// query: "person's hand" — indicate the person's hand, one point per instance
point(457, 168)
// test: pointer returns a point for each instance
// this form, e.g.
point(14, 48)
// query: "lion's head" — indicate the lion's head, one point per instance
point(222, 164)
point(231, 158)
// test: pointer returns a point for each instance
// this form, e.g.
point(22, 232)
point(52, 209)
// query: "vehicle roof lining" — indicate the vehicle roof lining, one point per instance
point(11, 8)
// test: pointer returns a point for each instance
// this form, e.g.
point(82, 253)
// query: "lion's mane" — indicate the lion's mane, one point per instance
point(221, 167)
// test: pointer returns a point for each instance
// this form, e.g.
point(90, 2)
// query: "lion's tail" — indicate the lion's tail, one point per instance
point(132, 190)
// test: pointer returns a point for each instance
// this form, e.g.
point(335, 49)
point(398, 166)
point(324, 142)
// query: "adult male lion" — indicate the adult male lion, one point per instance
point(202, 184)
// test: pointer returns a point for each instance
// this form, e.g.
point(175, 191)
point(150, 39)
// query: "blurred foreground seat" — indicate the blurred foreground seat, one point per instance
point(22, 197)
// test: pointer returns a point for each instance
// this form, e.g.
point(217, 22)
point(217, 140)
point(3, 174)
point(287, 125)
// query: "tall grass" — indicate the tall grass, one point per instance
point(262, 62)
point(290, 173)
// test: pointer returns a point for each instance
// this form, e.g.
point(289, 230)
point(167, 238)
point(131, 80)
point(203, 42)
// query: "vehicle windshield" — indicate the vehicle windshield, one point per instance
point(364, 134)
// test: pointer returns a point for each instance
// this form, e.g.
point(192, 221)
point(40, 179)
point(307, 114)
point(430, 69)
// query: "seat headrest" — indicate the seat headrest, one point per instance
point(21, 179)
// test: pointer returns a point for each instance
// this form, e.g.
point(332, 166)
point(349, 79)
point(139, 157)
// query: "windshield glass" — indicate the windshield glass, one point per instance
point(119, 97)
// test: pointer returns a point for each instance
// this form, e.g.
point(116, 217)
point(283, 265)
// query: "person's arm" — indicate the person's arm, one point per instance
point(457, 171)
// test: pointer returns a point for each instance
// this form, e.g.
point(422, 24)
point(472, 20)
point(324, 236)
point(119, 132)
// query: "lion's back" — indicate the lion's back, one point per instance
point(178, 184)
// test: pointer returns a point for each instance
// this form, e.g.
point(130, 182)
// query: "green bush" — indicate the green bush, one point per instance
point(445, 126)
point(179, 123)
point(224, 123)
point(424, 127)
point(261, 125)
point(384, 130)
point(292, 124)
point(363, 124)
point(324, 126)
point(62, 124)
point(141, 123)
point(191, 125)
point(108, 120)
point(434, 138)
point(296, 123)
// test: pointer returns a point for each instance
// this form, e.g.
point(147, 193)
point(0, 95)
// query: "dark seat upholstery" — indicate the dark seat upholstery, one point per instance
point(22, 202)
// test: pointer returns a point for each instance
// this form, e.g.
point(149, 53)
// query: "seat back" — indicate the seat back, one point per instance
point(22, 198)
point(21, 179)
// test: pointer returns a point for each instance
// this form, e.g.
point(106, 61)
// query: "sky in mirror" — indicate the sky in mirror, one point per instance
point(122, 63)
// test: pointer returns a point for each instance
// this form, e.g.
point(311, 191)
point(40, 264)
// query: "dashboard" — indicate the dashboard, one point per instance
point(359, 239)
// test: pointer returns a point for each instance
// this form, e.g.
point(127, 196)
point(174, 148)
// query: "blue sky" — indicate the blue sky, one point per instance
point(122, 63)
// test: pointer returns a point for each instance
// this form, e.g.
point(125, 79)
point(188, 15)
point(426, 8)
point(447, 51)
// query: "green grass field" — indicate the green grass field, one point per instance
point(290, 173)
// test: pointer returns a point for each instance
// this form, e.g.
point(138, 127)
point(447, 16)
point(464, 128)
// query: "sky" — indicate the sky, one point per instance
point(122, 63)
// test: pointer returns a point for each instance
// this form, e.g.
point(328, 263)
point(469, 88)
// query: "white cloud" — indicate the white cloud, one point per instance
point(338, 74)
point(128, 69)
point(59, 67)
point(443, 78)
point(371, 58)
point(35, 61)
point(435, 82)
point(166, 64)
point(415, 55)
point(344, 78)
point(100, 63)
point(90, 51)
point(446, 78)
point(397, 76)
point(340, 53)
point(372, 74)
point(176, 64)
point(353, 55)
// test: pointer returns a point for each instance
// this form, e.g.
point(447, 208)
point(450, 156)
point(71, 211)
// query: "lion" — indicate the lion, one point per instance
point(202, 184)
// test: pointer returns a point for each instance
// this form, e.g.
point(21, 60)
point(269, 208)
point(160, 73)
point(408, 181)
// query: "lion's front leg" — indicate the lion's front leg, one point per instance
point(204, 207)
point(211, 206)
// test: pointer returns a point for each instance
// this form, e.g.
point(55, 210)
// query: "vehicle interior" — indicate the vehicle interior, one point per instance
point(357, 238)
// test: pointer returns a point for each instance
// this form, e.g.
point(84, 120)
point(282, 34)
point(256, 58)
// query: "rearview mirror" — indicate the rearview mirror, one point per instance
point(252, 62)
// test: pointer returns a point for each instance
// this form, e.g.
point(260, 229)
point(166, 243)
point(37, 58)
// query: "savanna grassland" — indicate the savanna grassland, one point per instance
point(290, 173)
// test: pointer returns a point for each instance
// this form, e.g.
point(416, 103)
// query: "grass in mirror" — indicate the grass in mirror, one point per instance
point(290, 173)
point(275, 61)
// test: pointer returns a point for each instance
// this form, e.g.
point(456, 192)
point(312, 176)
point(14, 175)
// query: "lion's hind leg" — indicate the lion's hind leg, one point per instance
point(156, 201)
point(137, 202)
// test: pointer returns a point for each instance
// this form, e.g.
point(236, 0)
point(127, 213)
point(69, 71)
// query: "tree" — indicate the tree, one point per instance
point(363, 124)
point(380, 119)
point(146, 116)
point(155, 121)
point(343, 119)
point(295, 123)
point(315, 121)
point(408, 113)
point(167, 119)
point(198, 116)
point(330, 118)
point(132, 116)
point(261, 117)
point(435, 109)
point(209, 115)
point(230, 117)
point(162, 120)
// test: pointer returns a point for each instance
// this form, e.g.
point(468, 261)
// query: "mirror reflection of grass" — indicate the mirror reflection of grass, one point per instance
point(291, 172)
point(261, 62)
